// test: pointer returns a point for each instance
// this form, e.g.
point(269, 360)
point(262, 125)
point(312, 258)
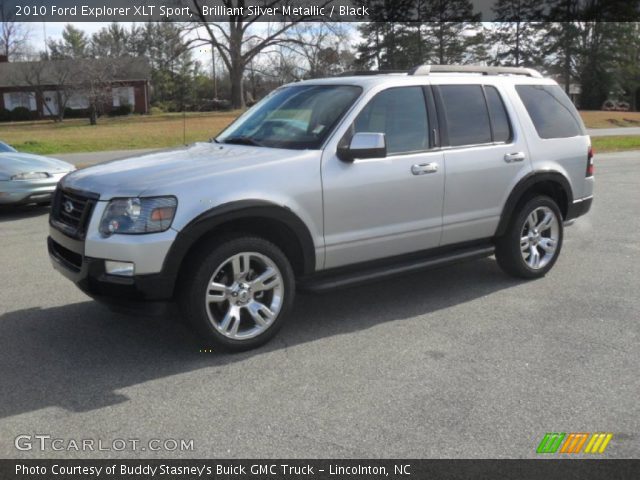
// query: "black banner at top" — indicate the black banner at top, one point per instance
point(320, 10)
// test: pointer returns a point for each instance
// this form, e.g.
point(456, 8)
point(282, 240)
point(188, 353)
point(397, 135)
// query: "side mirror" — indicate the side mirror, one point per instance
point(364, 145)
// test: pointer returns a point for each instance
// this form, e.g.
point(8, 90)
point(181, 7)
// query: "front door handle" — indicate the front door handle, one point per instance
point(514, 157)
point(424, 168)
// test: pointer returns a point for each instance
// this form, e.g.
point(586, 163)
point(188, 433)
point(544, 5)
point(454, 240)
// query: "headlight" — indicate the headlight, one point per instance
point(138, 215)
point(30, 176)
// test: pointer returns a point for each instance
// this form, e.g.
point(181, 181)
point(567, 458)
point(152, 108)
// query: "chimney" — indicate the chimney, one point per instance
point(4, 59)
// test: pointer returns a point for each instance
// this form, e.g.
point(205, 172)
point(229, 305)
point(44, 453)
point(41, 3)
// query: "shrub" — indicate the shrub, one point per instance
point(20, 114)
point(5, 115)
point(121, 111)
point(213, 105)
point(75, 113)
point(160, 107)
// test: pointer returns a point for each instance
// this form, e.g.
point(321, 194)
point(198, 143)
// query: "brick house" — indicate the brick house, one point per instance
point(36, 85)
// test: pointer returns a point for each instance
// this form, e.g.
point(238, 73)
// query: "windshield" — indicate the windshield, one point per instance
point(296, 117)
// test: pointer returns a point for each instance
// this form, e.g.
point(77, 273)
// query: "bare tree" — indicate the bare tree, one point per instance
point(238, 41)
point(59, 77)
point(95, 83)
point(14, 36)
point(321, 47)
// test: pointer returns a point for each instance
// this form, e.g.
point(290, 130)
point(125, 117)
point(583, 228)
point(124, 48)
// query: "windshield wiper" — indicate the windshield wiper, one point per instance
point(242, 140)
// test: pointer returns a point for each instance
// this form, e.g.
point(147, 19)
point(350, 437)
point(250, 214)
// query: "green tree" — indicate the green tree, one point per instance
point(74, 44)
point(116, 41)
point(515, 36)
point(627, 70)
point(453, 31)
point(171, 60)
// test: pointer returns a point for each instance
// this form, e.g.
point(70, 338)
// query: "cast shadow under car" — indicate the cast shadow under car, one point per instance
point(9, 213)
point(77, 356)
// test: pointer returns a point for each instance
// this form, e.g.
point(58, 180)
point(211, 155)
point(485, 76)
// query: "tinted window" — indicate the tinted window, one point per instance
point(551, 111)
point(399, 113)
point(499, 117)
point(467, 115)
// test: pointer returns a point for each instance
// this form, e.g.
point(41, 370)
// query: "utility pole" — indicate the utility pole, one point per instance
point(44, 37)
point(213, 70)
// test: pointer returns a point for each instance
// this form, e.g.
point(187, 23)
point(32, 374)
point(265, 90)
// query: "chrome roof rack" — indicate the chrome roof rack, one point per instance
point(362, 73)
point(429, 69)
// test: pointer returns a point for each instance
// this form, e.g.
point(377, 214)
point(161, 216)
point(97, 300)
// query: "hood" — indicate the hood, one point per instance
point(165, 172)
point(12, 163)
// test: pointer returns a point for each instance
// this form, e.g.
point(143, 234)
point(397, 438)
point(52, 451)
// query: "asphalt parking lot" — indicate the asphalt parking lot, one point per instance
point(459, 362)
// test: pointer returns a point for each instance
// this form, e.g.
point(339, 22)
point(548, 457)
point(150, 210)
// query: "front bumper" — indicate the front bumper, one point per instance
point(21, 192)
point(67, 256)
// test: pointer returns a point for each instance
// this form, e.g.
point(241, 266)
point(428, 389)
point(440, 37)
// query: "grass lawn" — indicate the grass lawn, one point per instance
point(615, 144)
point(167, 130)
point(135, 131)
point(597, 119)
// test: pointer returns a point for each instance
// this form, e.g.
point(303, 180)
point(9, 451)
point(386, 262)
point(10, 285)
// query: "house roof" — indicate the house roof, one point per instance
point(19, 74)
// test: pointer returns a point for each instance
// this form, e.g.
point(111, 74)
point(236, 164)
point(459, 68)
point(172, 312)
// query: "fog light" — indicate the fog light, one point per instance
point(123, 269)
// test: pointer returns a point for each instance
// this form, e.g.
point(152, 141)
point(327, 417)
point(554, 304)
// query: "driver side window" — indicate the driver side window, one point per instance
point(401, 114)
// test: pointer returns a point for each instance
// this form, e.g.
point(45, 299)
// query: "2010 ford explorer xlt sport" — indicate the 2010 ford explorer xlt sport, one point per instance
point(326, 183)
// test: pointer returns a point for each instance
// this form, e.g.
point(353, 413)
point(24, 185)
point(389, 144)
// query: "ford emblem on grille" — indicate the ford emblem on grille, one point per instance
point(68, 206)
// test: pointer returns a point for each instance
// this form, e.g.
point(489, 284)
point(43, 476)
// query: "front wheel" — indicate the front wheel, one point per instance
point(238, 294)
point(533, 240)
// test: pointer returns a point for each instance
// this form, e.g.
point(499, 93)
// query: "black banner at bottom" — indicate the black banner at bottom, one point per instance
point(543, 469)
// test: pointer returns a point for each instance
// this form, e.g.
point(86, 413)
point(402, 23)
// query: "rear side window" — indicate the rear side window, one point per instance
point(499, 117)
point(466, 112)
point(551, 111)
point(401, 114)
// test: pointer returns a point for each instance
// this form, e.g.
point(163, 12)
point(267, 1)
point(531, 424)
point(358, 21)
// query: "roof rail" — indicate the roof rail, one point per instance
point(428, 69)
point(363, 73)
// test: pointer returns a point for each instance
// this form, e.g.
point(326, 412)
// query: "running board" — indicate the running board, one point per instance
point(323, 282)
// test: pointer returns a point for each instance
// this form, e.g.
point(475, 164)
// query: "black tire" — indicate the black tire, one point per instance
point(508, 246)
point(194, 285)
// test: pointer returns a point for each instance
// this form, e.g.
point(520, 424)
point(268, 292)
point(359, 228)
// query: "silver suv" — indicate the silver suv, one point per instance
point(327, 183)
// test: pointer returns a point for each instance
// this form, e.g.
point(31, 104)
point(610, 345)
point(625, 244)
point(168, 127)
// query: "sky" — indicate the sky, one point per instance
point(53, 30)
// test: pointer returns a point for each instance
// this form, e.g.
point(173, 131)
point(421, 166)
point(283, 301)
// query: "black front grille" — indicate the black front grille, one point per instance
point(71, 211)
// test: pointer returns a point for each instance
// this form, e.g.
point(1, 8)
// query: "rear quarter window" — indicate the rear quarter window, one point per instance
point(551, 111)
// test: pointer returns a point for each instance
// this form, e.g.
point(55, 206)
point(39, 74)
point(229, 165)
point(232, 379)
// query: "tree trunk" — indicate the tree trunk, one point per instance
point(93, 115)
point(237, 94)
point(237, 65)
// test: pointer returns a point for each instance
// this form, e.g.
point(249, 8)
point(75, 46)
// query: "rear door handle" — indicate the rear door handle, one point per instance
point(514, 157)
point(424, 168)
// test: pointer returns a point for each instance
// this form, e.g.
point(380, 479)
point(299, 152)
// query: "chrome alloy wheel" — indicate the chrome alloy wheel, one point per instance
point(539, 237)
point(244, 295)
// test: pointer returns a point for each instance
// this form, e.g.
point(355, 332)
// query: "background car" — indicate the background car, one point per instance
point(27, 178)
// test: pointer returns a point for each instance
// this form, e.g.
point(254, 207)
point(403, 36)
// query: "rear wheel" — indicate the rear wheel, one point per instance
point(238, 294)
point(533, 240)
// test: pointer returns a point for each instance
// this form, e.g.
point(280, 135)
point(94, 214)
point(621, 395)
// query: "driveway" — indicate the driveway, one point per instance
point(458, 362)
